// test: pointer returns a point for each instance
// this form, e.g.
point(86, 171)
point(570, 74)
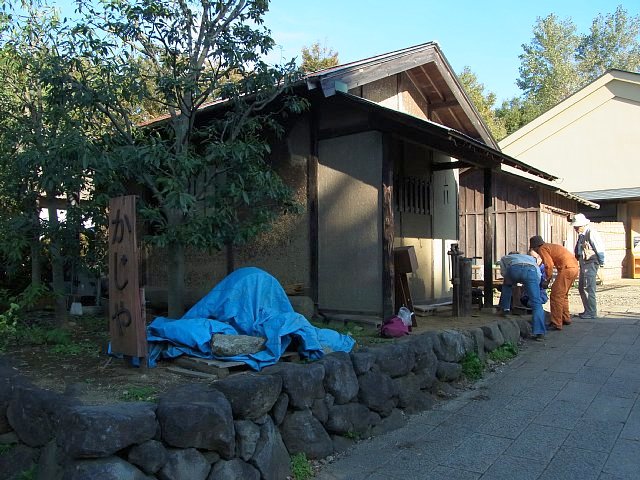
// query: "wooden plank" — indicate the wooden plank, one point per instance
point(192, 373)
point(194, 365)
point(126, 325)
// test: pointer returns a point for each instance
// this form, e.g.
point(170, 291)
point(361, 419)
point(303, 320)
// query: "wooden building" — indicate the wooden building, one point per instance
point(374, 162)
point(520, 208)
point(591, 140)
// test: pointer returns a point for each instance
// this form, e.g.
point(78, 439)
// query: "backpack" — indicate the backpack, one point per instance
point(394, 327)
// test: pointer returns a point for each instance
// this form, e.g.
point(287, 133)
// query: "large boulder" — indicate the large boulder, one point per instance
point(302, 432)
point(351, 418)
point(271, 457)
point(510, 330)
point(34, 413)
point(411, 398)
point(279, 409)
point(396, 359)
point(111, 468)
point(101, 430)
point(150, 456)
point(363, 361)
point(378, 392)
point(303, 383)
point(448, 371)
point(340, 378)
point(476, 337)
point(197, 416)
point(234, 469)
point(426, 359)
point(185, 464)
point(493, 337)
point(247, 436)
point(453, 346)
point(251, 395)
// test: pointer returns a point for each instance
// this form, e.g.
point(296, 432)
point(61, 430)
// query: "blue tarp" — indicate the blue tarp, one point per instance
point(247, 302)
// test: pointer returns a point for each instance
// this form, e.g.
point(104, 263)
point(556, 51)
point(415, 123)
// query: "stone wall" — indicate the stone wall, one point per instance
point(244, 426)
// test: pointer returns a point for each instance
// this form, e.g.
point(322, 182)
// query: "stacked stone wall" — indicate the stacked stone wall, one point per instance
point(244, 426)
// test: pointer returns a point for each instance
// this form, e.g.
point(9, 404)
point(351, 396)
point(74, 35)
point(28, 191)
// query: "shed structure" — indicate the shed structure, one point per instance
point(374, 162)
point(590, 141)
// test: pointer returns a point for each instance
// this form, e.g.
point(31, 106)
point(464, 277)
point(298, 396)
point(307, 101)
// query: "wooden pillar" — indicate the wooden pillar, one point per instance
point(388, 226)
point(488, 237)
point(312, 204)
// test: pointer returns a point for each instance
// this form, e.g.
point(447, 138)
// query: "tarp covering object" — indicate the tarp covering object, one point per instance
point(247, 302)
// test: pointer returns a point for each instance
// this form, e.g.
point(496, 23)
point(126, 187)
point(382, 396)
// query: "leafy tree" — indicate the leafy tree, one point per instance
point(318, 57)
point(612, 42)
point(559, 61)
point(483, 102)
point(43, 148)
point(548, 71)
point(206, 184)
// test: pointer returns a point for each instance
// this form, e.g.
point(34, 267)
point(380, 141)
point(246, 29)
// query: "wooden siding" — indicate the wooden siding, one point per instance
point(520, 210)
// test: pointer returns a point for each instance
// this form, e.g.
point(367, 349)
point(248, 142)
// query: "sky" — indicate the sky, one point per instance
point(487, 36)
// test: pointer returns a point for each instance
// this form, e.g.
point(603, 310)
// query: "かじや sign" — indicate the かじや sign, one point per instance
point(126, 322)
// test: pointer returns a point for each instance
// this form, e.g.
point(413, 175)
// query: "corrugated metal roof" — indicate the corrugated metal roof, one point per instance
point(611, 194)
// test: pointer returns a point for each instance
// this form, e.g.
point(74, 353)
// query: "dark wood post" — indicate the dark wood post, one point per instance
point(312, 204)
point(488, 237)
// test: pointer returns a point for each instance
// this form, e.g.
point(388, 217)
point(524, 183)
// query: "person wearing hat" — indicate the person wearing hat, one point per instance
point(558, 257)
point(589, 251)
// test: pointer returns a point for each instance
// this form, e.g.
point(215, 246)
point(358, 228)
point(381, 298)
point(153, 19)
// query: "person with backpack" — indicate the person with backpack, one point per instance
point(589, 251)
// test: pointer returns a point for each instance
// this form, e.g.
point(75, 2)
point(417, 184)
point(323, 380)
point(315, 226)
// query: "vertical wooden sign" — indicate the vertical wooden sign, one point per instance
point(126, 323)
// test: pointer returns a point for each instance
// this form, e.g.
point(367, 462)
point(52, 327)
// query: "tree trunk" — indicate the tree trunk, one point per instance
point(36, 261)
point(36, 268)
point(57, 270)
point(175, 271)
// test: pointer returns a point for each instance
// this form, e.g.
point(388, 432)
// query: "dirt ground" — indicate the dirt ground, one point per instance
point(97, 378)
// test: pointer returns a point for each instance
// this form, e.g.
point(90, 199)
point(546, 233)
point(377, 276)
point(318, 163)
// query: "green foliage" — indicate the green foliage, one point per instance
point(558, 61)
point(14, 307)
point(472, 366)
point(6, 447)
point(318, 57)
point(612, 42)
point(206, 185)
point(483, 102)
point(44, 147)
point(139, 394)
point(504, 353)
point(301, 467)
point(75, 349)
point(39, 335)
point(29, 474)
point(352, 435)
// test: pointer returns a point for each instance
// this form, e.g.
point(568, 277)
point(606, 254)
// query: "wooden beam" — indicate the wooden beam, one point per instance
point(488, 237)
point(444, 104)
point(436, 167)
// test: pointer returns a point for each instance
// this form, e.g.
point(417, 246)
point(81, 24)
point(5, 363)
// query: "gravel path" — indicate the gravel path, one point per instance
point(619, 296)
